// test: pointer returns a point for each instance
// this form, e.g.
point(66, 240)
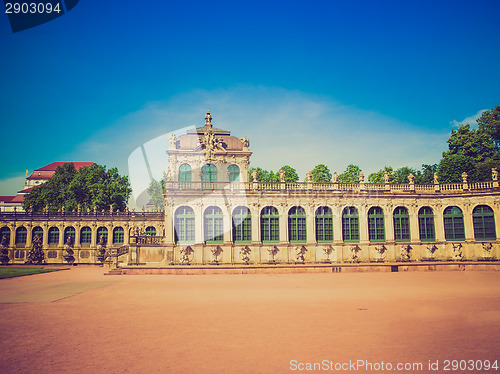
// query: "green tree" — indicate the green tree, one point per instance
point(426, 175)
point(88, 187)
point(483, 169)
point(156, 190)
point(452, 166)
point(401, 174)
point(291, 175)
point(477, 144)
point(321, 174)
point(490, 122)
point(264, 175)
point(379, 176)
point(350, 175)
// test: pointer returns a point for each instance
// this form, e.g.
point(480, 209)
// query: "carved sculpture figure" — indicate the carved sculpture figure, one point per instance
point(299, 254)
point(68, 250)
point(464, 177)
point(273, 251)
point(361, 177)
point(335, 177)
point(405, 252)
point(185, 253)
point(208, 119)
point(494, 174)
point(411, 178)
point(386, 176)
point(101, 249)
point(246, 143)
point(328, 251)
point(282, 175)
point(309, 176)
point(172, 140)
point(36, 255)
point(245, 254)
point(215, 254)
point(487, 247)
point(436, 181)
point(354, 253)
point(4, 250)
point(380, 250)
point(255, 175)
point(431, 249)
point(457, 252)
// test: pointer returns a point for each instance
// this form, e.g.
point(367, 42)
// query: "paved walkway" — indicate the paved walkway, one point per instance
point(81, 321)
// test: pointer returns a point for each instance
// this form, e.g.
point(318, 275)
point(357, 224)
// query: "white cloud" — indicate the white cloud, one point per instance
point(284, 127)
point(469, 120)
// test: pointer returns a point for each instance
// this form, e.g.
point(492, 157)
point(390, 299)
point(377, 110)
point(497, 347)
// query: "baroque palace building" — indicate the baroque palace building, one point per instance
point(214, 214)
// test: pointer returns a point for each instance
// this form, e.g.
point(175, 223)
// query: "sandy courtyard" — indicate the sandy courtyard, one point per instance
point(80, 321)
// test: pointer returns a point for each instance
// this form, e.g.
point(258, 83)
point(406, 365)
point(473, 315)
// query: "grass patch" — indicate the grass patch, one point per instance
point(9, 272)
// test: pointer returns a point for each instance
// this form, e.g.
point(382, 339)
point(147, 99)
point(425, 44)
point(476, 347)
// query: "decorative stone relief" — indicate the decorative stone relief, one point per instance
point(355, 249)
point(457, 252)
point(216, 252)
point(4, 250)
point(431, 250)
point(328, 250)
point(299, 254)
point(405, 253)
point(185, 253)
point(380, 250)
point(68, 250)
point(245, 254)
point(273, 251)
point(487, 247)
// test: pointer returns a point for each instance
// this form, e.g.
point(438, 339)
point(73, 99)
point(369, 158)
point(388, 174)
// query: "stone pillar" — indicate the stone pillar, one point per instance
point(13, 235)
point(414, 229)
point(311, 224)
point(468, 222)
point(110, 235)
point(77, 236)
point(61, 236)
point(45, 240)
point(126, 235)
point(198, 224)
point(496, 212)
point(363, 224)
point(227, 224)
point(439, 223)
point(29, 236)
point(283, 212)
point(389, 224)
point(255, 211)
point(93, 239)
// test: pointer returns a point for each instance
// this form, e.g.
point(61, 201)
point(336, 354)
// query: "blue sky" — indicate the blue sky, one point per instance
point(309, 82)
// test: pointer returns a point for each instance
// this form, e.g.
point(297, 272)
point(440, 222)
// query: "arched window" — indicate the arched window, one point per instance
point(185, 173)
point(213, 225)
point(69, 231)
point(53, 235)
point(208, 176)
point(324, 225)
point(269, 225)
point(102, 231)
point(484, 223)
point(37, 231)
point(297, 225)
point(242, 225)
point(85, 235)
point(118, 235)
point(376, 229)
point(426, 224)
point(453, 223)
point(350, 224)
point(234, 173)
point(401, 224)
point(5, 231)
point(21, 235)
point(150, 230)
point(184, 225)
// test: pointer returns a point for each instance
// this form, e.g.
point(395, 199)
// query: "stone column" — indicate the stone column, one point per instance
point(198, 223)
point(227, 224)
point(93, 239)
point(283, 212)
point(389, 224)
point(468, 222)
point(311, 224)
point(110, 235)
point(337, 231)
point(363, 224)
point(13, 235)
point(414, 230)
point(496, 212)
point(29, 236)
point(61, 235)
point(255, 211)
point(439, 223)
point(77, 236)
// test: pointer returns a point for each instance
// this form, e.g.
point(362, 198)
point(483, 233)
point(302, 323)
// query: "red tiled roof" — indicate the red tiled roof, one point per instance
point(48, 171)
point(12, 199)
point(27, 190)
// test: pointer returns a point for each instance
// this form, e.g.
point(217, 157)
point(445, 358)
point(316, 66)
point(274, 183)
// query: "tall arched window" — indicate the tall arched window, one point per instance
point(453, 223)
point(185, 173)
point(484, 223)
point(21, 235)
point(53, 235)
point(376, 229)
point(297, 225)
point(85, 235)
point(118, 235)
point(401, 224)
point(5, 231)
point(269, 225)
point(324, 225)
point(208, 176)
point(234, 173)
point(213, 225)
point(102, 231)
point(426, 224)
point(37, 231)
point(150, 230)
point(242, 225)
point(69, 231)
point(350, 224)
point(184, 225)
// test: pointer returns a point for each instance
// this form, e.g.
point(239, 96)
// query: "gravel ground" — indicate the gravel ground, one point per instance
point(80, 321)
